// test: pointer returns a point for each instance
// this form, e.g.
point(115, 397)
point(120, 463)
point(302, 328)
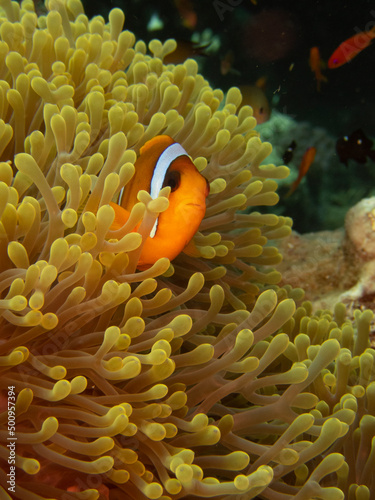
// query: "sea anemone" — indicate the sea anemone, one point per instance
point(188, 379)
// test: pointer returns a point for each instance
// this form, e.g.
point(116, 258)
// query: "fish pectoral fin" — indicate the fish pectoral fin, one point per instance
point(191, 249)
point(121, 216)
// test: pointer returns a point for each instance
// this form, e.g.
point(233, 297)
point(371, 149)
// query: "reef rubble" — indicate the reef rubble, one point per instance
point(334, 266)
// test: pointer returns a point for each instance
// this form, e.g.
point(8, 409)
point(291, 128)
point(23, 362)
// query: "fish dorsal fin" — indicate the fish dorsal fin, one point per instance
point(145, 165)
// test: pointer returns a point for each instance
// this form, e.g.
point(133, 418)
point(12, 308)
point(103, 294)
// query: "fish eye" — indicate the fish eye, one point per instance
point(172, 179)
point(261, 110)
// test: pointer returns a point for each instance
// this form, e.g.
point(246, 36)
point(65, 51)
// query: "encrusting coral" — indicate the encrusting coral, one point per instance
point(192, 379)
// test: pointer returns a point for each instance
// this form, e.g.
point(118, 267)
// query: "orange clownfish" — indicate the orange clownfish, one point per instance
point(351, 48)
point(163, 162)
point(316, 66)
point(306, 162)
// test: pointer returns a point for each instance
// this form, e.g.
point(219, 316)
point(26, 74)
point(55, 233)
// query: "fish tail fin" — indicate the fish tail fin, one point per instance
point(319, 80)
point(291, 191)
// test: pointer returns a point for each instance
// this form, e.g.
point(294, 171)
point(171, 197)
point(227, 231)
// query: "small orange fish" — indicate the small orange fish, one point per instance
point(307, 160)
point(254, 96)
point(164, 162)
point(351, 48)
point(187, 13)
point(316, 66)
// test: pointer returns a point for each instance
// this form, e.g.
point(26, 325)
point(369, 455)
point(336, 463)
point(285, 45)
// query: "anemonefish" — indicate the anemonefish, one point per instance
point(351, 48)
point(306, 162)
point(316, 66)
point(164, 162)
point(254, 96)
